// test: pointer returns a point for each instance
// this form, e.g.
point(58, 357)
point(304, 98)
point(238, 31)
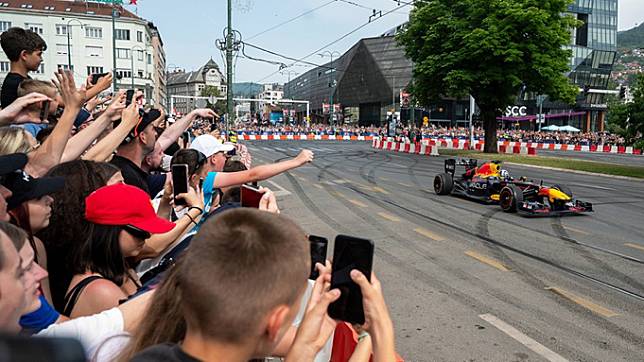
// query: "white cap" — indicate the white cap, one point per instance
point(209, 145)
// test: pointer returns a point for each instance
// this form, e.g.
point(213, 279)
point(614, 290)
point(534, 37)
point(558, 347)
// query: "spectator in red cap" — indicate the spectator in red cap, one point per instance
point(121, 219)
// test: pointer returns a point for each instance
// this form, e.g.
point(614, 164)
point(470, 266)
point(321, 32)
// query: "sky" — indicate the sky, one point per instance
point(190, 28)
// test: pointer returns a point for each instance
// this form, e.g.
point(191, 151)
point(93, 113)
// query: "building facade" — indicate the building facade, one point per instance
point(159, 61)
point(191, 84)
point(79, 36)
point(365, 82)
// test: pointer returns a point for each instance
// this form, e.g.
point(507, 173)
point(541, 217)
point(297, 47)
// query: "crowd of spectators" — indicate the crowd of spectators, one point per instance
point(560, 137)
point(96, 245)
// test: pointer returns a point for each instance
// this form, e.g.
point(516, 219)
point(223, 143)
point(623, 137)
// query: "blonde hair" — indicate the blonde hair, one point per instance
point(34, 85)
point(14, 140)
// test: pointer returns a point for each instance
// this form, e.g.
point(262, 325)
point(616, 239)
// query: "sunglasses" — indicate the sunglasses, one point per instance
point(136, 232)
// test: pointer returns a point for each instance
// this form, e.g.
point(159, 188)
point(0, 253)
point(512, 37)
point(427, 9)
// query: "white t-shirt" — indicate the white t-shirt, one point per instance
point(91, 331)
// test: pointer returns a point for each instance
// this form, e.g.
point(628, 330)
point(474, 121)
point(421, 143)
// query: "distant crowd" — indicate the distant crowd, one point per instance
point(557, 137)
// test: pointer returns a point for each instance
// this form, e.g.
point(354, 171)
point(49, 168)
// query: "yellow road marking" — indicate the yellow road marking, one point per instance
point(388, 216)
point(429, 234)
point(583, 302)
point(576, 230)
point(337, 193)
point(358, 203)
point(318, 186)
point(404, 184)
point(635, 246)
point(380, 189)
point(486, 260)
point(384, 179)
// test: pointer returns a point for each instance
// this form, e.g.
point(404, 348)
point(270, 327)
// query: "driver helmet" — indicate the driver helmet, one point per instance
point(504, 174)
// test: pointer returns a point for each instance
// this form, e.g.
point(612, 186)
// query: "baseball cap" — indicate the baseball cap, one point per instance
point(12, 162)
point(146, 118)
point(24, 187)
point(209, 145)
point(122, 204)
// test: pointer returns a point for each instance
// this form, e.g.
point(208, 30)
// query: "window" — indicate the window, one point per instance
point(139, 55)
point(124, 73)
point(4, 25)
point(139, 36)
point(36, 28)
point(4, 67)
point(65, 67)
point(61, 49)
point(122, 34)
point(149, 58)
point(140, 74)
point(41, 69)
point(94, 32)
point(93, 51)
point(123, 53)
point(62, 29)
point(94, 70)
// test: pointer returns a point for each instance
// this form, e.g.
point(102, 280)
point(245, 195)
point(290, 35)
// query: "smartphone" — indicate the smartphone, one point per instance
point(128, 97)
point(44, 111)
point(318, 253)
point(97, 76)
point(350, 253)
point(179, 182)
point(250, 196)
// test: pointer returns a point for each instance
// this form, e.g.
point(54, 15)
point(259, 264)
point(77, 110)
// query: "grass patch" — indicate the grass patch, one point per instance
point(565, 163)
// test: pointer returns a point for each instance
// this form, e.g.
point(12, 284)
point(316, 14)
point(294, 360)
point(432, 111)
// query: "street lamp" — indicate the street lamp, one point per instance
point(69, 46)
point(137, 47)
point(332, 83)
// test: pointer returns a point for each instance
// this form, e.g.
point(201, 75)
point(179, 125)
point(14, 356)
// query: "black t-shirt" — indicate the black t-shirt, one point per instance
point(132, 174)
point(10, 88)
point(163, 352)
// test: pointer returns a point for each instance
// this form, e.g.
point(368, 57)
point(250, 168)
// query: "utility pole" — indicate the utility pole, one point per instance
point(114, 15)
point(540, 100)
point(229, 66)
point(332, 83)
point(472, 107)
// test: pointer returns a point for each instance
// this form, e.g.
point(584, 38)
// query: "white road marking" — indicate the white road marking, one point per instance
point(595, 187)
point(279, 149)
point(522, 338)
point(282, 191)
point(294, 149)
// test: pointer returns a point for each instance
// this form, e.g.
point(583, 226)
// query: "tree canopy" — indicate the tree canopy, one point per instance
point(491, 49)
point(627, 119)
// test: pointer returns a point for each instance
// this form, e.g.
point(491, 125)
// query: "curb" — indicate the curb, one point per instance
point(577, 171)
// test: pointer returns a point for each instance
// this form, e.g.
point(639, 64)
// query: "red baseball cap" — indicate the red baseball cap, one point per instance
point(122, 204)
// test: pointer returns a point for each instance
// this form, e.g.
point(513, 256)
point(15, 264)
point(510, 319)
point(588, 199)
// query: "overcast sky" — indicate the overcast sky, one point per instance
point(189, 29)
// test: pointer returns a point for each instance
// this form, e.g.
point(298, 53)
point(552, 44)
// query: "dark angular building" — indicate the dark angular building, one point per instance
point(367, 80)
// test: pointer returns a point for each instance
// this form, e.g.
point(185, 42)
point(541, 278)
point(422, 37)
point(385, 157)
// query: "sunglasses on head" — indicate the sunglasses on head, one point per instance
point(136, 232)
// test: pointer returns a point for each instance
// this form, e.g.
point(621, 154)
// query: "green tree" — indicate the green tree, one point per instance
point(219, 106)
point(627, 119)
point(490, 49)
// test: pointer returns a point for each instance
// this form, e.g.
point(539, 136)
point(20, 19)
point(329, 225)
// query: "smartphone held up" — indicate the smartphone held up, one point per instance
point(180, 182)
point(350, 253)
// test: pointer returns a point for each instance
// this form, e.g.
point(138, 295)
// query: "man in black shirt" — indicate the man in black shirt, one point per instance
point(138, 144)
point(24, 49)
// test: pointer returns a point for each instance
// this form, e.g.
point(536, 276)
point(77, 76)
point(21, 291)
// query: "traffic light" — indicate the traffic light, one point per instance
point(622, 92)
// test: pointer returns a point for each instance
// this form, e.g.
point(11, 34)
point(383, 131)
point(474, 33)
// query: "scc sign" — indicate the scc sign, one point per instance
point(516, 111)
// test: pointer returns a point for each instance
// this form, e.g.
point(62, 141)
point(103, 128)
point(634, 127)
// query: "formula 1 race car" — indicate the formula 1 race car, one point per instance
point(490, 183)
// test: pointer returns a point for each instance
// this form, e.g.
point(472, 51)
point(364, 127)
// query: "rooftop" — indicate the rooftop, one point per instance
point(66, 7)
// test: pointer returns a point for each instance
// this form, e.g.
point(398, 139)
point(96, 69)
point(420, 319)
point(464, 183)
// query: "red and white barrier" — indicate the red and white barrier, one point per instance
point(418, 149)
point(458, 144)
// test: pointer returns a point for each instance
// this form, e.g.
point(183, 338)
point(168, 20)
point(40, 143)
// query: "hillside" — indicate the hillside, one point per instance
point(632, 38)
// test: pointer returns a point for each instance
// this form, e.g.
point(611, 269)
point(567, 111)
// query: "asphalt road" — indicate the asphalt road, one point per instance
point(467, 282)
point(621, 159)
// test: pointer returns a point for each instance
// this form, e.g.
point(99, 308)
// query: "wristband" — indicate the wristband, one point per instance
point(191, 219)
point(196, 207)
point(363, 335)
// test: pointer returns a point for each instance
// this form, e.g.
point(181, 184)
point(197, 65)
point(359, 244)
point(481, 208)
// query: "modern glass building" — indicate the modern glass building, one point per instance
point(366, 80)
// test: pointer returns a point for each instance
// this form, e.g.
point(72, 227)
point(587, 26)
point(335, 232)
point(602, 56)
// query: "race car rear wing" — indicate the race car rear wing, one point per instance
point(450, 164)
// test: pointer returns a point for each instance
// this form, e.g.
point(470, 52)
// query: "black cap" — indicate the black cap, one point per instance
point(24, 187)
point(12, 162)
point(146, 119)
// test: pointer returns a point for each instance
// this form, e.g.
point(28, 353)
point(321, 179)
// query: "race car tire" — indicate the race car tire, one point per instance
point(563, 188)
point(443, 184)
point(509, 197)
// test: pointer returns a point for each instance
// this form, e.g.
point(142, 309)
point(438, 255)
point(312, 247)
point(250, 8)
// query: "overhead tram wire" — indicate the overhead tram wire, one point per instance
point(292, 19)
point(339, 39)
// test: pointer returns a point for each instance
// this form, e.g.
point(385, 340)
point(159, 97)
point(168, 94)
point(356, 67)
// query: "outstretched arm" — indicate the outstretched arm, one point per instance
point(174, 132)
point(263, 172)
point(49, 154)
